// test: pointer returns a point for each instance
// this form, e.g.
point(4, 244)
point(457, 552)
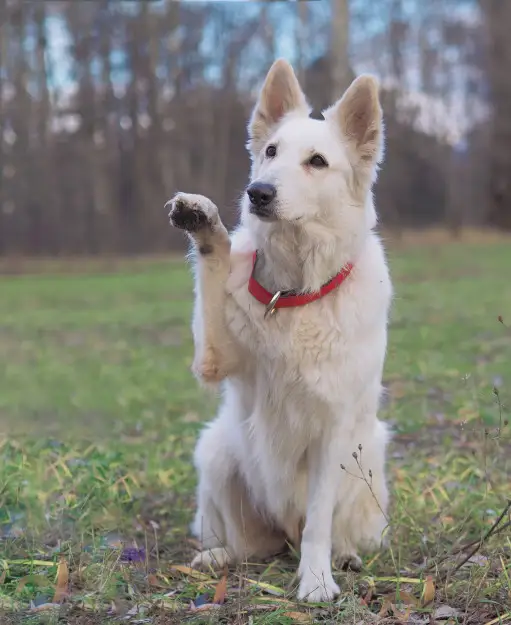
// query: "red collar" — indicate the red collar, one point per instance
point(288, 299)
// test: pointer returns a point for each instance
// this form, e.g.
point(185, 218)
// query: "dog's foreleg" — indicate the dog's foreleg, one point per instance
point(315, 571)
point(215, 355)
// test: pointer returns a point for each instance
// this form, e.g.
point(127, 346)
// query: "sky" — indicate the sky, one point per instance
point(466, 10)
point(59, 41)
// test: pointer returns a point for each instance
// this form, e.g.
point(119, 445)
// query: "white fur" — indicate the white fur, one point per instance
point(301, 388)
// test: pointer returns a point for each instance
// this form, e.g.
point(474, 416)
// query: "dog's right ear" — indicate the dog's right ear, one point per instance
point(358, 115)
point(281, 94)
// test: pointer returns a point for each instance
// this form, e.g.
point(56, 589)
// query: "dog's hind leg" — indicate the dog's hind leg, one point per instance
point(215, 354)
point(228, 525)
point(360, 519)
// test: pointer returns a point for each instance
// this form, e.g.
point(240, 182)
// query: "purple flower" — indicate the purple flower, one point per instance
point(132, 554)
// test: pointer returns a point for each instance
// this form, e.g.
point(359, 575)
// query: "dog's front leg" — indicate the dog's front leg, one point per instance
point(215, 354)
point(315, 571)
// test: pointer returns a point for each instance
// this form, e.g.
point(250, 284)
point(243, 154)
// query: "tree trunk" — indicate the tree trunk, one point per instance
point(341, 73)
point(3, 64)
point(105, 149)
point(498, 19)
point(300, 38)
point(25, 211)
point(45, 182)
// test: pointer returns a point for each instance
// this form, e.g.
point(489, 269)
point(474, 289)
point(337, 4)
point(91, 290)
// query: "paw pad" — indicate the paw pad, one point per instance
point(187, 217)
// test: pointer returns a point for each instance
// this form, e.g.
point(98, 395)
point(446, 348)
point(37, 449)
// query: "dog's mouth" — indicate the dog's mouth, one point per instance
point(264, 213)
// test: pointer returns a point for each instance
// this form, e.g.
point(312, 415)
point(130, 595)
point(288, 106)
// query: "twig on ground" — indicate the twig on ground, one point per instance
point(480, 542)
point(499, 404)
point(364, 479)
point(461, 548)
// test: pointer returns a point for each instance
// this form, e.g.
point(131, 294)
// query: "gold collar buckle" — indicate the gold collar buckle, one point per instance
point(270, 309)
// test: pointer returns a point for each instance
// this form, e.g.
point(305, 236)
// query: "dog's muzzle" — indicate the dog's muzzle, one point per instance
point(262, 200)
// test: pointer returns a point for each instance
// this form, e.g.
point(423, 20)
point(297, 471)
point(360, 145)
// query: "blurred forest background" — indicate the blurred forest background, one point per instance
point(107, 108)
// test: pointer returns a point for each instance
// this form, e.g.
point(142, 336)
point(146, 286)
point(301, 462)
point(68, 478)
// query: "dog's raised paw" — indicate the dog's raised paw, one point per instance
point(192, 212)
point(187, 219)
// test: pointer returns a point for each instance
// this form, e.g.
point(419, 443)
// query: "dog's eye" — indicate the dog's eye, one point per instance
point(318, 161)
point(271, 151)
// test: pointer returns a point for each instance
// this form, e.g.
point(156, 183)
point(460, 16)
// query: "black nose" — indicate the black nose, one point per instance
point(261, 193)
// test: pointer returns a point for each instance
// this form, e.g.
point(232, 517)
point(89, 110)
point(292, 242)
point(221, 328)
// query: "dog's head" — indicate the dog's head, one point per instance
point(306, 170)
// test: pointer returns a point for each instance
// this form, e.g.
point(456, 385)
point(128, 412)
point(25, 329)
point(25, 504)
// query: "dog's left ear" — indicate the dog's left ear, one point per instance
point(358, 115)
point(281, 94)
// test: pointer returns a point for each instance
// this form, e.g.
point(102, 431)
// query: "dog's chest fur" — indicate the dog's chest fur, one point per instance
point(336, 337)
point(303, 367)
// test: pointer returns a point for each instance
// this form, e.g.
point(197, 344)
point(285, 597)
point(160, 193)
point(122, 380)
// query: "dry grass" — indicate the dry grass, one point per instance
point(430, 237)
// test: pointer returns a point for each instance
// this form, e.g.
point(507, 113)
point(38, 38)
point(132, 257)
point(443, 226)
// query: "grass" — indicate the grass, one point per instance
point(99, 414)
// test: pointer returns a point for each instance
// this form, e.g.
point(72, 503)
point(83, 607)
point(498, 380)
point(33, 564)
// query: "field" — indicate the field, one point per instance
point(98, 417)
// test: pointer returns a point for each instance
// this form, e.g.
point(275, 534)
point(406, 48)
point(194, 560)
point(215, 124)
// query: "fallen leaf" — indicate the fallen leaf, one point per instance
point(61, 589)
point(402, 615)
point(153, 580)
point(298, 617)
point(3, 576)
point(35, 580)
point(276, 601)
point(478, 558)
point(368, 596)
point(385, 608)
point(272, 590)
point(120, 606)
point(203, 607)
point(397, 580)
point(221, 590)
point(201, 600)
point(445, 612)
point(428, 593)
point(406, 598)
point(421, 619)
point(39, 599)
point(45, 607)
point(134, 611)
point(191, 572)
point(399, 597)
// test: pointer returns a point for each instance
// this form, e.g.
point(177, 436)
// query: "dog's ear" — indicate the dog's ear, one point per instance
point(358, 114)
point(280, 94)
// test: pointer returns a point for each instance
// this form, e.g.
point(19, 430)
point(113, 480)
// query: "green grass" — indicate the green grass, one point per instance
point(99, 414)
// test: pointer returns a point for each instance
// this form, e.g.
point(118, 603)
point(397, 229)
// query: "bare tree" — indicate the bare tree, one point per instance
point(152, 99)
point(25, 210)
point(4, 38)
point(498, 20)
point(300, 39)
point(341, 73)
point(44, 171)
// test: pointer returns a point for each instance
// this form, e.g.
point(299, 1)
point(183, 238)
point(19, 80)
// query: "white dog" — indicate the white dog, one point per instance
point(291, 313)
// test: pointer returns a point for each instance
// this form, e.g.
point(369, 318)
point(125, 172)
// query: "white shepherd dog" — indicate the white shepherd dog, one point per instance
point(291, 315)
